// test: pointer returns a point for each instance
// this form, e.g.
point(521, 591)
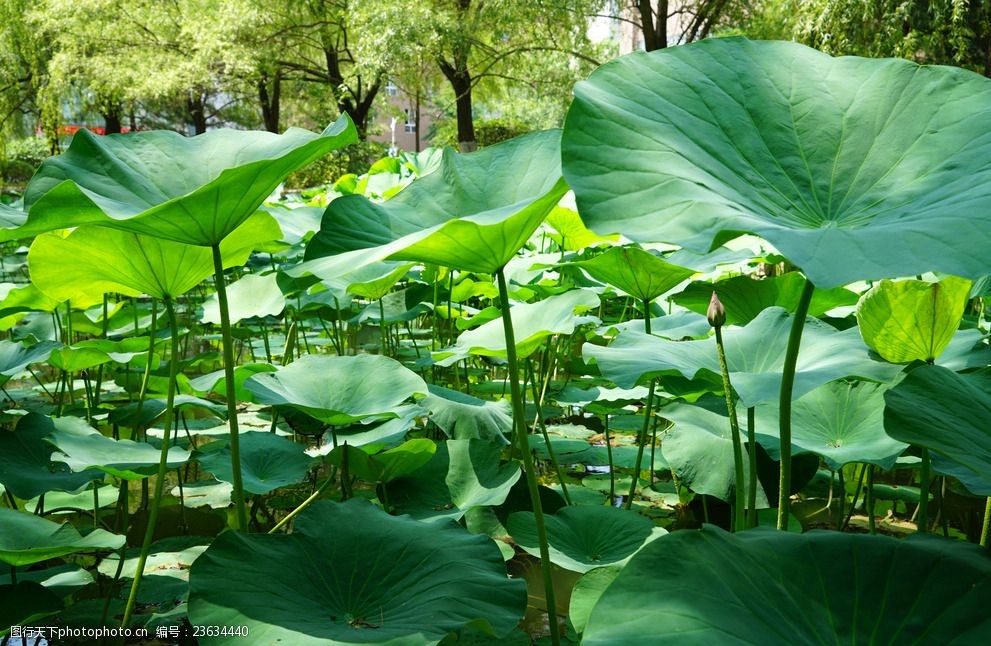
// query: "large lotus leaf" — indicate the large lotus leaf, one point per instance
point(387, 466)
point(840, 422)
point(375, 281)
point(949, 414)
point(532, 324)
point(350, 573)
point(463, 417)
point(912, 320)
point(16, 357)
point(472, 214)
point(26, 539)
point(252, 295)
point(767, 587)
point(26, 465)
point(586, 594)
point(699, 450)
point(94, 352)
point(639, 273)
point(339, 390)
point(462, 474)
point(194, 190)
point(754, 355)
point(87, 263)
point(20, 300)
point(852, 168)
point(572, 234)
point(268, 461)
point(745, 298)
point(966, 349)
point(83, 447)
point(583, 538)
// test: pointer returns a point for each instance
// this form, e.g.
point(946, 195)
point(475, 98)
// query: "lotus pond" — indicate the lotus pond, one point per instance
point(709, 365)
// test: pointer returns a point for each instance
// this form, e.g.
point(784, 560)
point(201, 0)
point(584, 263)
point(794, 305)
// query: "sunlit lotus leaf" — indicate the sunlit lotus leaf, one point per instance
point(852, 168)
point(253, 295)
point(754, 355)
point(194, 190)
point(473, 213)
point(339, 389)
point(532, 324)
point(912, 320)
point(26, 539)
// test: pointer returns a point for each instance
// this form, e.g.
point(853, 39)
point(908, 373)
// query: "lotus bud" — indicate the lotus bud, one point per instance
point(716, 313)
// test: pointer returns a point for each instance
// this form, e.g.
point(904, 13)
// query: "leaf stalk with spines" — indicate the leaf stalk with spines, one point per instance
point(162, 464)
point(717, 317)
point(647, 412)
point(523, 443)
point(784, 403)
point(237, 495)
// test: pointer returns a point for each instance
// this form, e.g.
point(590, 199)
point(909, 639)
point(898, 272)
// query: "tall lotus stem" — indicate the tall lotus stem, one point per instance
point(162, 465)
point(987, 523)
point(717, 318)
point(752, 463)
point(523, 443)
point(925, 478)
point(784, 403)
point(225, 330)
point(647, 411)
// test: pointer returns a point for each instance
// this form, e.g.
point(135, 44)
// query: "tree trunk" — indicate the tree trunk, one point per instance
point(270, 101)
point(460, 79)
point(197, 113)
point(654, 27)
point(111, 122)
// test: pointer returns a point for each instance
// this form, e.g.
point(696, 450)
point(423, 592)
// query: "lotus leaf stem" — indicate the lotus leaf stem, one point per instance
point(648, 410)
point(524, 448)
point(225, 330)
point(734, 429)
point(922, 518)
point(987, 522)
point(752, 463)
point(787, 387)
point(162, 464)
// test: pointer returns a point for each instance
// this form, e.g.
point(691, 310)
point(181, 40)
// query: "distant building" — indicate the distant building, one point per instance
point(407, 122)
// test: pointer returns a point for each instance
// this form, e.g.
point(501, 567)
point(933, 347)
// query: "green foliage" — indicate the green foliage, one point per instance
point(328, 169)
point(21, 159)
point(487, 131)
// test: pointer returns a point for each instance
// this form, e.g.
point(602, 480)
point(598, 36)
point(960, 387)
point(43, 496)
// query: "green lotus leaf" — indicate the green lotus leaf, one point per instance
point(763, 586)
point(63, 580)
point(252, 295)
point(339, 390)
point(572, 234)
point(83, 447)
point(912, 320)
point(691, 145)
point(16, 357)
point(949, 414)
point(397, 462)
point(532, 324)
point(94, 352)
point(380, 580)
point(268, 461)
point(376, 280)
point(586, 594)
point(462, 474)
point(463, 417)
point(472, 214)
point(216, 382)
point(966, 349)
point(745, 298)
point(26, 539)
point(87, 263)
point(20, 300)
point(699, 449)
point(193, 190)
point(584, 538)
point(641, 274)
point(840, 422)
point(26, 466)
point(296, 223)
point(676, 326)
point(754, 355)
